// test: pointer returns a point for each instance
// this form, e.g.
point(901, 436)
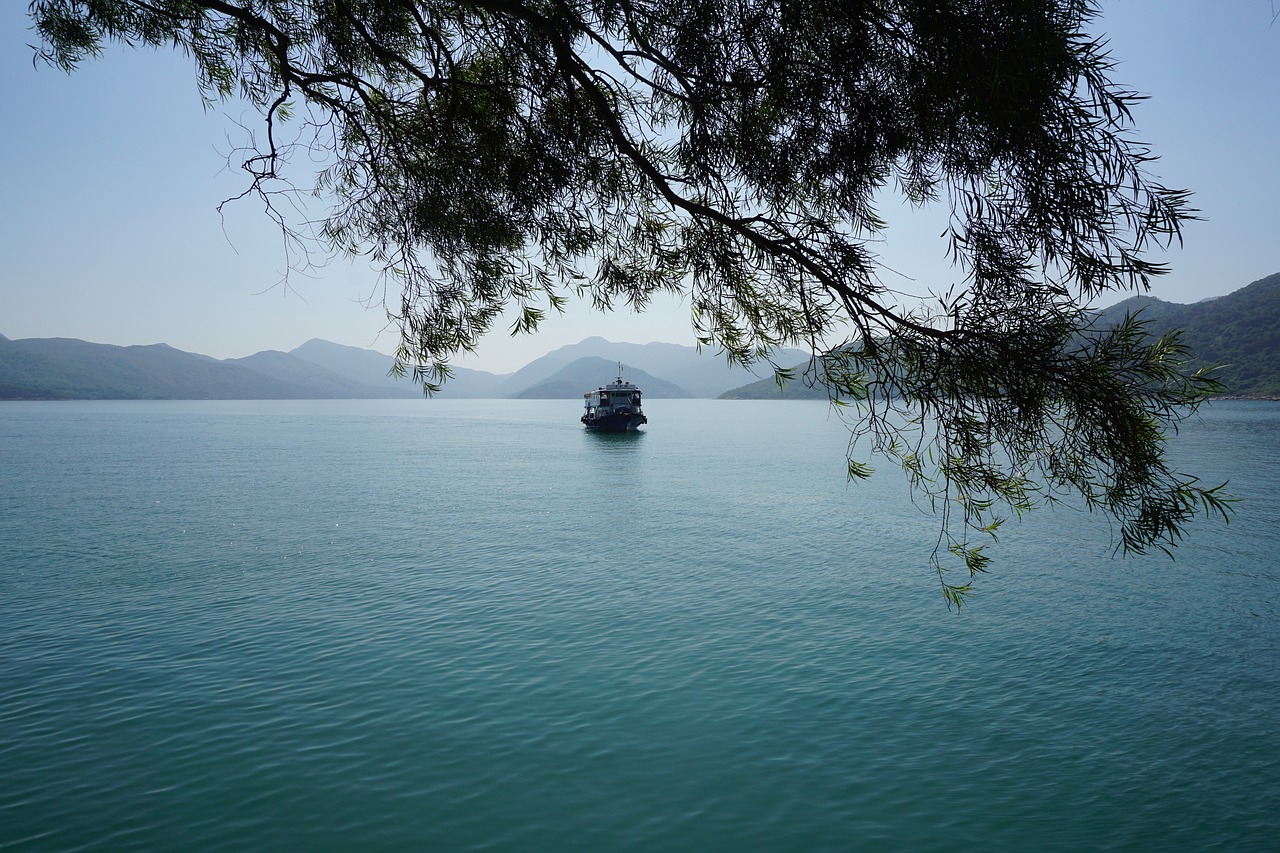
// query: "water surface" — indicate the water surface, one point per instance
point(462, 625)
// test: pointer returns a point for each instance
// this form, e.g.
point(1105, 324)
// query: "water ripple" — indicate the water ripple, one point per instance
point(321, 626)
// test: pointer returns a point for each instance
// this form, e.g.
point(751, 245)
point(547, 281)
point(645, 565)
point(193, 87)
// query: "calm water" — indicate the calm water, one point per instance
point(459, 625)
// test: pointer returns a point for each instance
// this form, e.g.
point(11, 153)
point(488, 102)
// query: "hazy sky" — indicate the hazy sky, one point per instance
point(110, 231)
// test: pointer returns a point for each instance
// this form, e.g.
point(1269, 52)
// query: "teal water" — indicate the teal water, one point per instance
point(468, 625)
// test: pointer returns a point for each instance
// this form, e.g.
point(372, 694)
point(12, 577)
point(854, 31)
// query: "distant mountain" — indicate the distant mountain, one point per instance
point(365, 366)
point(803, 387)
point(315, 381)
point(62, 368)
point(700, 374)
point(466, 383)
point(584, 374)
point(373, 368)
point(68, 369)
point(1239, 331)
point(1154, 311)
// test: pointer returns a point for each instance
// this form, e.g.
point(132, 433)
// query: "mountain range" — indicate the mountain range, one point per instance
point(69, 369)
point(1239, 332)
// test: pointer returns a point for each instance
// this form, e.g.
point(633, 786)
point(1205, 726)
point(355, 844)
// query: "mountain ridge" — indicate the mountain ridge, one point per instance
point(68, 368)
point(584, 374)
point(1239, 332)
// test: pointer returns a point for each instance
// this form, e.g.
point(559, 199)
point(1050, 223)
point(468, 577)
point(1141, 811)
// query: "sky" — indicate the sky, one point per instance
point(110, 230)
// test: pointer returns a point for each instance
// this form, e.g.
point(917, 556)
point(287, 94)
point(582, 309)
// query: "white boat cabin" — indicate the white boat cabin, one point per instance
point(612, 398)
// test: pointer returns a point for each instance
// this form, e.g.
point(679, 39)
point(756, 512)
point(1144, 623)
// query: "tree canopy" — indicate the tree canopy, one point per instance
point(519, 153)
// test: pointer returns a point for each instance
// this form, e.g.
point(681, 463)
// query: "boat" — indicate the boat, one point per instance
point(614, 407)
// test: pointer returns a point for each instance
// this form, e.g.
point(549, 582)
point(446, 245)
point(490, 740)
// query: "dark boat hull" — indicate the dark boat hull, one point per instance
point(615, 422)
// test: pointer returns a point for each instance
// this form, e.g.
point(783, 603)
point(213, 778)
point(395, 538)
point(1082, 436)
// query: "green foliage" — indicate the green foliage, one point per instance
point(516, 152)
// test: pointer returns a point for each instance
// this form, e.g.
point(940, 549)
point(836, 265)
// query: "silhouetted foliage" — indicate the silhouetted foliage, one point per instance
point(517, 152)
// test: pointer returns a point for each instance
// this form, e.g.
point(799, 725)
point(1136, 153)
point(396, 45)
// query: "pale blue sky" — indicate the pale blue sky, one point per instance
point(109, 230)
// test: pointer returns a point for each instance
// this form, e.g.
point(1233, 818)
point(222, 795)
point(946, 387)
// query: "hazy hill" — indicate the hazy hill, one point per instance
point(365, 366)
point(315, 381)
point(372, 368)
point(26, 374)
point(802, 387)
point(698, 374)
point(1240, 331)
point(585, 374)
point(64, 368)
point(69, 369)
